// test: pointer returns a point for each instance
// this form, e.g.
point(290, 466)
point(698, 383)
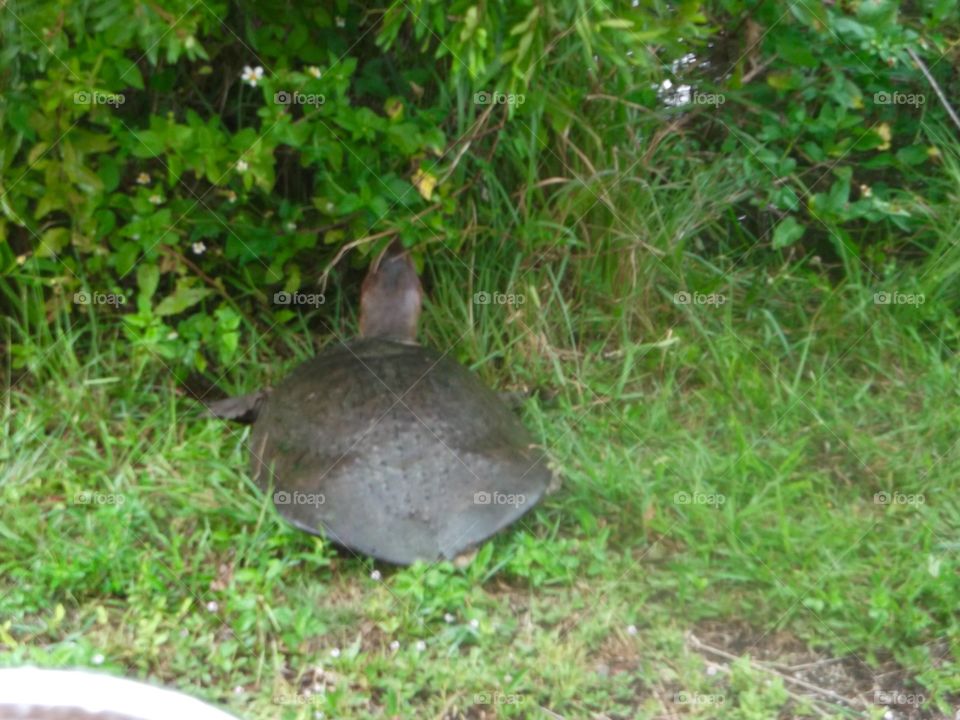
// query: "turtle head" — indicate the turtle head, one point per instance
point(391, 296)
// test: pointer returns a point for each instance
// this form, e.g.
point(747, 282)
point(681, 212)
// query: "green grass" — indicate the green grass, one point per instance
point(133, 539)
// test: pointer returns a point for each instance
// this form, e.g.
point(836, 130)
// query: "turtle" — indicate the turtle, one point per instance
point(390, 448)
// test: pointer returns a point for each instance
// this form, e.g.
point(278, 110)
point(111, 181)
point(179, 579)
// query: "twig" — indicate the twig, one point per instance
point(621, 101)
point(376, 236)
point(818, 663)
point(467, 140)
point(796, 698)
point(217, 285)
point(451, 701)
point(550, 712)
point(699, 645)
point(936, 88)
point(349, 246)
point(661, 134)
point(756, 70)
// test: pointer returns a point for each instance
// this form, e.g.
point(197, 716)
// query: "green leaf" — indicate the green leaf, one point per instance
point(229, 342)
point(787, 232)
point(53, 241)
point(912, 155)
point(146, 144)
point(787, 80)
point(126, 257)
point(840, 190)
point(148, 277)
point(181, 299)
point(795, 49)
point(616, 23)
point(881, 14)
point(109, 172)
point(522, 27)
point(850, 29)
point(128, 72)
point(943, 8)
point(52, 200)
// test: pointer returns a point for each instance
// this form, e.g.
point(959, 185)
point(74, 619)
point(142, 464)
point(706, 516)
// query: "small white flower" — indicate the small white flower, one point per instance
point(474, 623)
point(212, 606)
point(156, 199)
point(242, 166)
point(290, 227)
point(315, 71)
point(375, 575)
point(421, 646)
point(251, 75)
point(97, 659)
point(143, 179)
point(335, 652)
point(711, 670)
point(448, 618)
point(198, 248)
point(631, 629)
point(395, 645)
point(238, 690)
point(341, 22)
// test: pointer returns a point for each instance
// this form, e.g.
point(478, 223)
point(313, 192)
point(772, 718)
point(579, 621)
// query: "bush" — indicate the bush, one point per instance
point(182, 164)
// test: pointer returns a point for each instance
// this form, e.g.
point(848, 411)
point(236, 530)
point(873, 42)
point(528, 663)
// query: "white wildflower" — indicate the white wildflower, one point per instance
point(252, 75)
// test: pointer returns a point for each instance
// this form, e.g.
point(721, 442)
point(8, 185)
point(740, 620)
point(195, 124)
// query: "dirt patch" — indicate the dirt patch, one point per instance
point(831, 682)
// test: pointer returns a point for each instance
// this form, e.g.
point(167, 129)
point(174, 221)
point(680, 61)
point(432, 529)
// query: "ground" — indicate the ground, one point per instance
point(757, 519)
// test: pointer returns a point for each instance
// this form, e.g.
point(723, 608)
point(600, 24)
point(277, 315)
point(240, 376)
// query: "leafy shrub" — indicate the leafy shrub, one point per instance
point(182, 163)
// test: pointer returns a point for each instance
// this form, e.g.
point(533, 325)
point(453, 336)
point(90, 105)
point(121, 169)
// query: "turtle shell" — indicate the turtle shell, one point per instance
point(395, 451)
